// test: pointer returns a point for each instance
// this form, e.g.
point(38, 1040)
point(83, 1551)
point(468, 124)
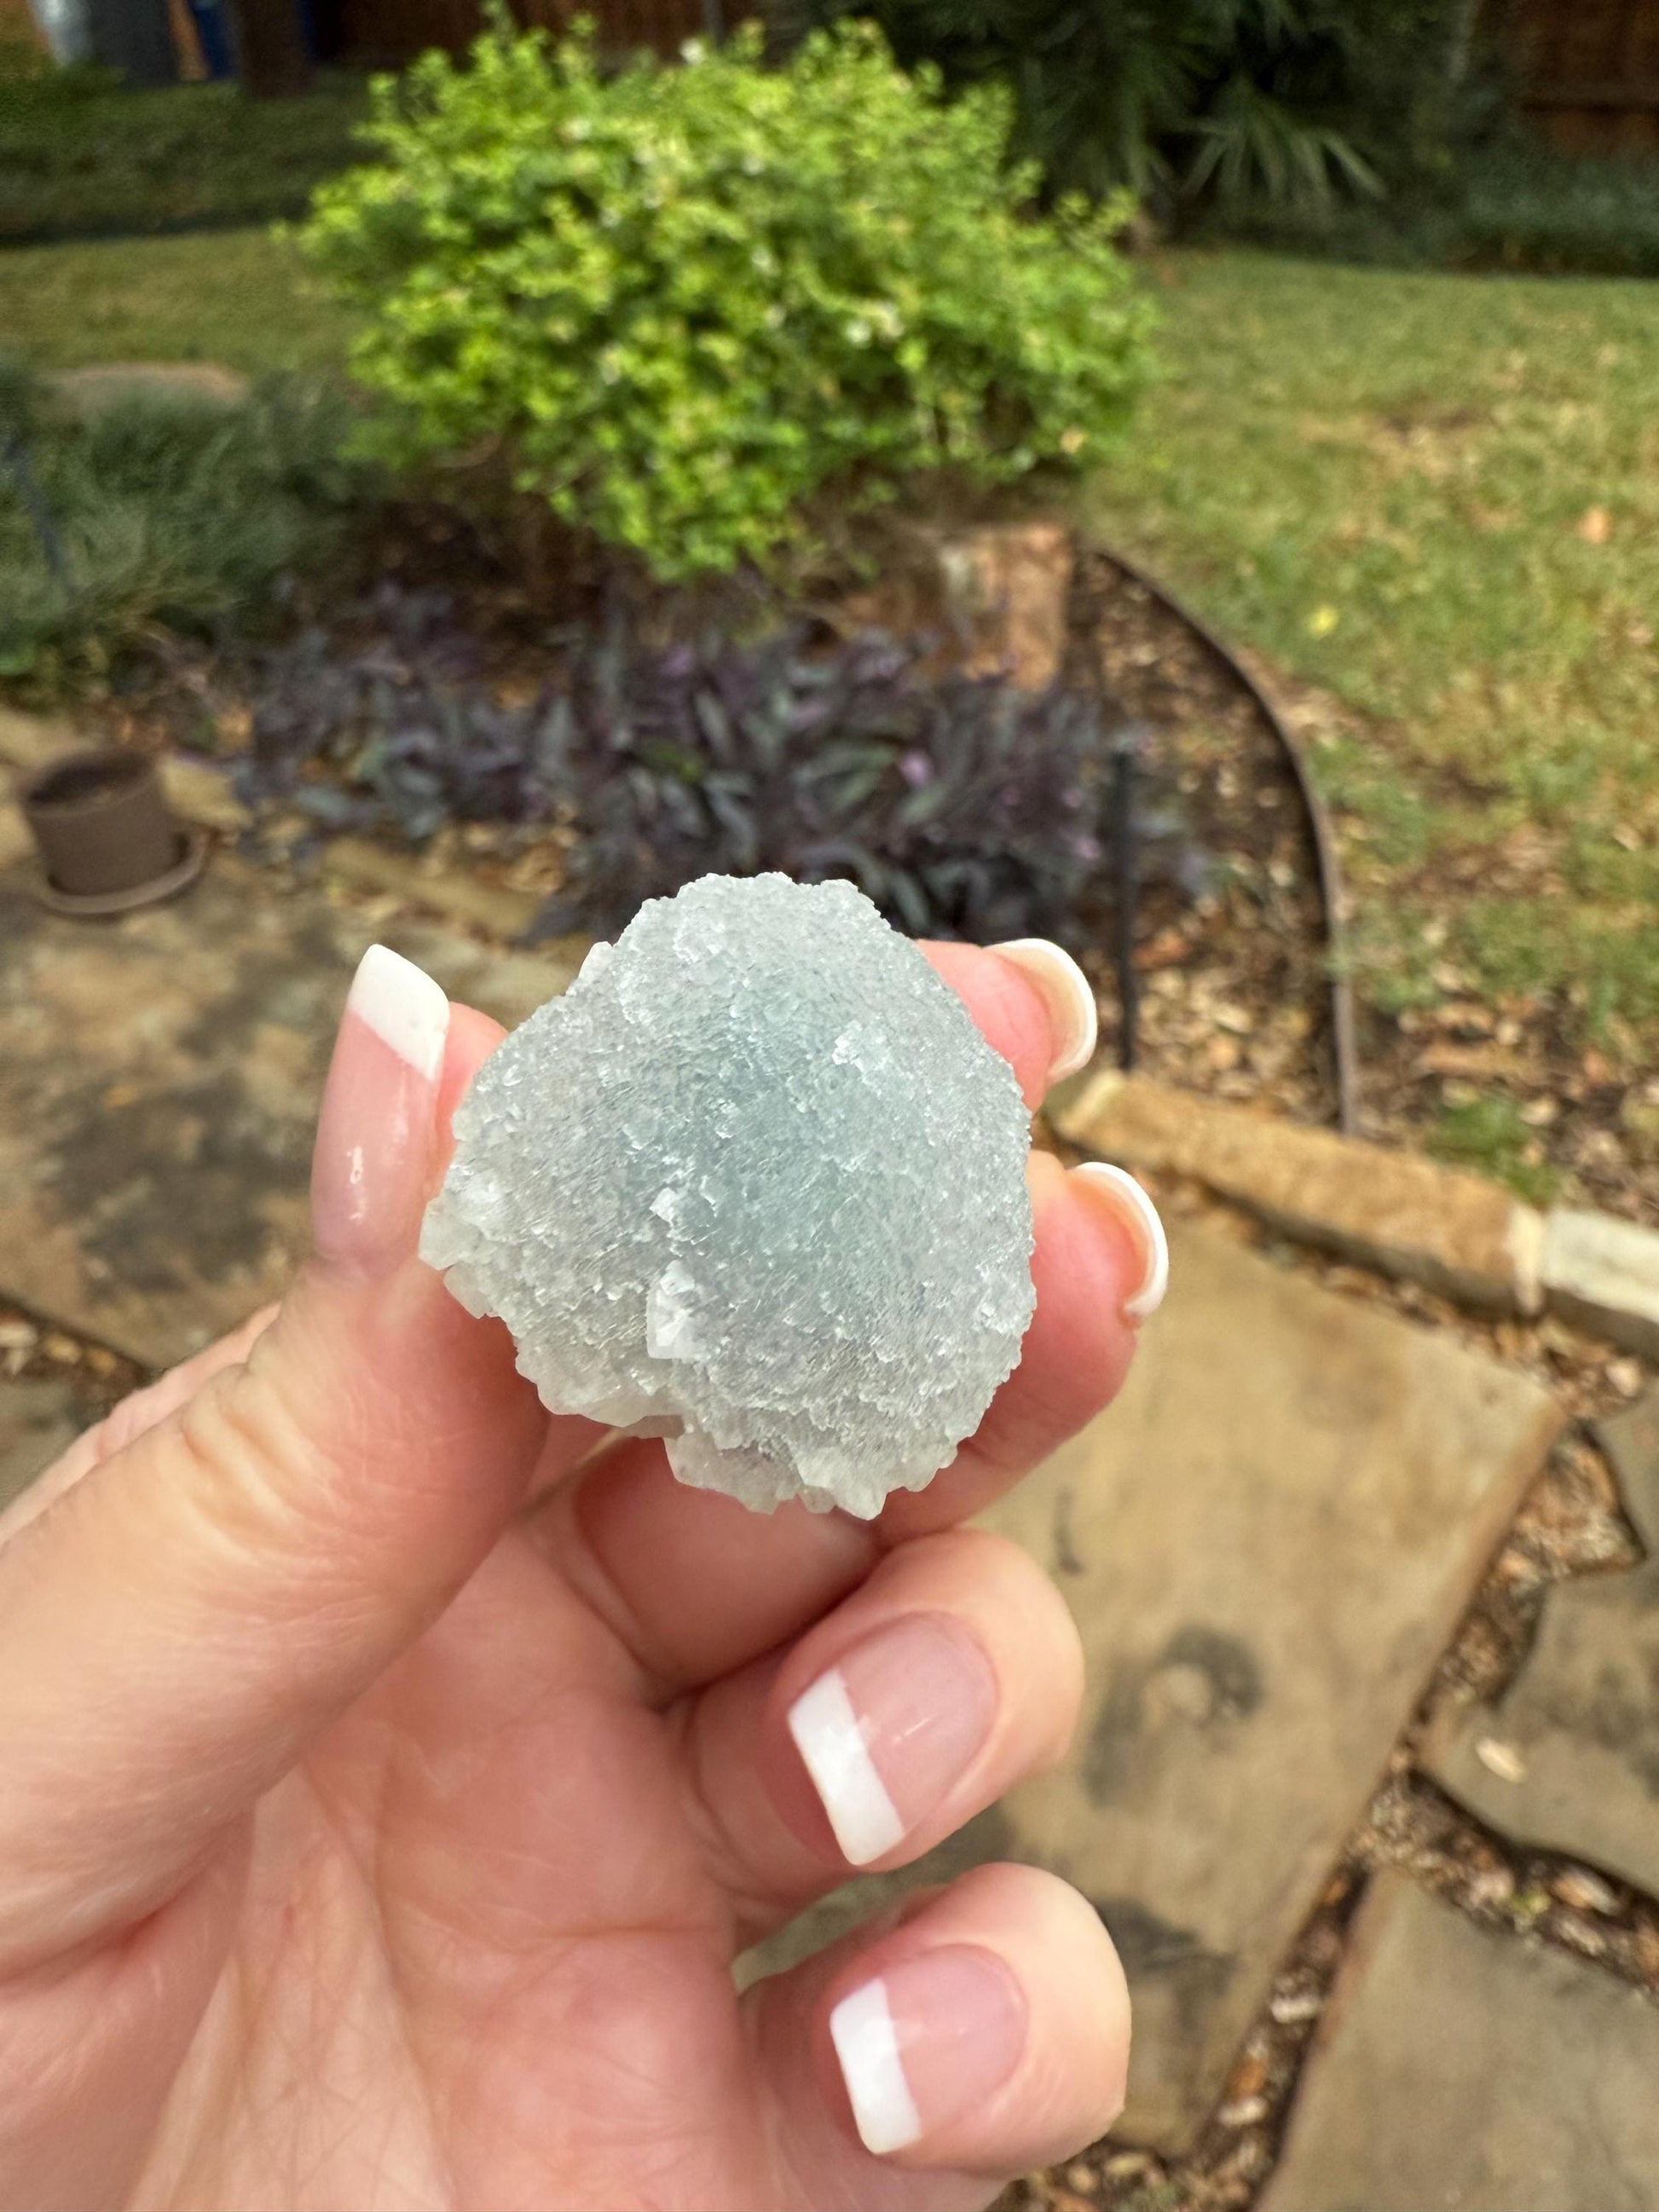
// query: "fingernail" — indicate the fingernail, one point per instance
point(887, 1731)
point(1140, 1218)
point(1074, 1019)
point(375, 1134)
point(926, 2041)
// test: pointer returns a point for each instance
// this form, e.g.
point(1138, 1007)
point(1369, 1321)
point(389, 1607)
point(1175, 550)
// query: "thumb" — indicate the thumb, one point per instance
point(187, 1617)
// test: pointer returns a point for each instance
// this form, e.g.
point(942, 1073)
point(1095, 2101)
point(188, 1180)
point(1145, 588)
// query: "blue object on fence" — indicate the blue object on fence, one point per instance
point(213, 36)
point(64, 27)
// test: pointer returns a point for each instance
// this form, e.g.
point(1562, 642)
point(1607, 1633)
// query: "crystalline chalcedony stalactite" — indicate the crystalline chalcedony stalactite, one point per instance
point(756, 1182)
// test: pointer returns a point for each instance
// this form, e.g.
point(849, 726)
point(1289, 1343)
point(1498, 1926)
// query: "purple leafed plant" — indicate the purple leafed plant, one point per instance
point(401, 734)
point(961, 805)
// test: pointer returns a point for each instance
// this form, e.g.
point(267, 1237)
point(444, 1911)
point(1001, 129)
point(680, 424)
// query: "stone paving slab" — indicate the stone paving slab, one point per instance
point(1457, 2067)
point(1569, 1758)
point(38, 1420)
point(1267, 1545)
point(159, 1082)
point(1394, 1211)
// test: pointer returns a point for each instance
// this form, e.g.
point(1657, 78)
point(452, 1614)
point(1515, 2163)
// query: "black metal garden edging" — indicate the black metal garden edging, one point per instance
point(1345, 1053)
point(37, 507)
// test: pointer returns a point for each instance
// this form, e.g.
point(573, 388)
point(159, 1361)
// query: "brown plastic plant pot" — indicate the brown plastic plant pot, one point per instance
point(108, 839)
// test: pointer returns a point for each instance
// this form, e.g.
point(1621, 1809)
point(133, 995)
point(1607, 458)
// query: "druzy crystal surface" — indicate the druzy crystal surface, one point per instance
point(755, 1182)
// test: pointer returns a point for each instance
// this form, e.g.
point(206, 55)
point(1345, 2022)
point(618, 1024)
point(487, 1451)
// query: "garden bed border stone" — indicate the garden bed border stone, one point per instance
point(1395, 1212)
point(1602, 1274)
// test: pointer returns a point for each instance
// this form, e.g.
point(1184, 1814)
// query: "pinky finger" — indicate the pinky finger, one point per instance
point(986, 2033)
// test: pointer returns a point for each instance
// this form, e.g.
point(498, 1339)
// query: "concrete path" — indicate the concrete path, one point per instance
point(1569, 1759)
point(37, 1419)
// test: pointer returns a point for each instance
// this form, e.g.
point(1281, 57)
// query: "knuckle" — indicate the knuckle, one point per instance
point(266, 1490)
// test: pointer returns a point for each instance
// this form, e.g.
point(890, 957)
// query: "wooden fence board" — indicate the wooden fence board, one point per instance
point(1589, 69)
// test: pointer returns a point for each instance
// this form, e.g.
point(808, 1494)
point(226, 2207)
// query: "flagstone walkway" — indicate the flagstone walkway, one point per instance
point(1269, 1546)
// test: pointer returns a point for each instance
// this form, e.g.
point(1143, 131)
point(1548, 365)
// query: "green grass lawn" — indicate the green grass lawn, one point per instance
point(1436, 496)
point(239, 296)
point(78, 150)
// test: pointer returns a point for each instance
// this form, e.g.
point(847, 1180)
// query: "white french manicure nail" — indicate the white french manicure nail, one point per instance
point(867, 2046)
point(830, 1742)
point(1067, 995)
point(403, 1005)
point(1136, 1209)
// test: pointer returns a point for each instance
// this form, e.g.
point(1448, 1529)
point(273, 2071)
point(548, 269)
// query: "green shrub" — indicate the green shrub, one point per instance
point(1523, 204)
point(679, 303)
point(166, 509)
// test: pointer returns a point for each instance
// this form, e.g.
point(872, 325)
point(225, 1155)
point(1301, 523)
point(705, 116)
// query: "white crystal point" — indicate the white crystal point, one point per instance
point(758, 1181)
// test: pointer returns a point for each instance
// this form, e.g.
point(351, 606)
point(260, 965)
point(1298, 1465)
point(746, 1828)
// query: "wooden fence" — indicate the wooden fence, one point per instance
point(1588, 69)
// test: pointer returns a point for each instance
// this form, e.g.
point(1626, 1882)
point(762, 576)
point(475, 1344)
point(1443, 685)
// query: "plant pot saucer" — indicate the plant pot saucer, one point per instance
point(192, 853)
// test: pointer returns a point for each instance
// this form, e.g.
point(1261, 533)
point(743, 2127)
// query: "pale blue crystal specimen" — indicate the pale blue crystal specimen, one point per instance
point(756, 1182)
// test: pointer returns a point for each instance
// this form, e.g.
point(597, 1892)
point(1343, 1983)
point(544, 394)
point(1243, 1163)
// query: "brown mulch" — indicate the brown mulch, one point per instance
point(34, 1351)
point(1570, 1524)
point(1234, 999)
point(1234, 1004)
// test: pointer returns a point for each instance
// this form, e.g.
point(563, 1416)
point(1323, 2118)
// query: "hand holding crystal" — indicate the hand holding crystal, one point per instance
point(390, 1770)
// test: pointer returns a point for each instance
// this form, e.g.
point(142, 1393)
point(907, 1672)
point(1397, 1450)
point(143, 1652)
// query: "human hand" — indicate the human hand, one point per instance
point(389, 1771)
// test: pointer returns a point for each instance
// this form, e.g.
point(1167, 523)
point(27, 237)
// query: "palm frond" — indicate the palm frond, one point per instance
point(1188, 98)
point(1252, 144)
